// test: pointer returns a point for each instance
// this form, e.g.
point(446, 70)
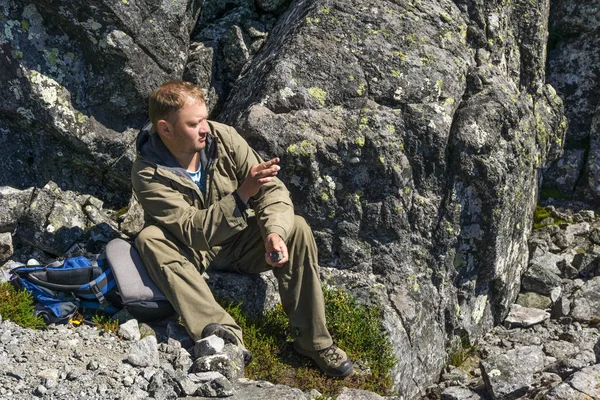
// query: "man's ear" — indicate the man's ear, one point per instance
point(164, 129)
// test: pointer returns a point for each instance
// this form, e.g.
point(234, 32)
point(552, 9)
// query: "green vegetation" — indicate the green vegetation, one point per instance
point(540, 214)
point(464, 355)
point(355, 328)
point(17, 306)
point(105, 323)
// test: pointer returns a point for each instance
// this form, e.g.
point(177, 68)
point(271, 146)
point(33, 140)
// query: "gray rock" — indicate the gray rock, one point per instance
point(586, 381)
point(548, 262)
point(595, 235)
point(218, 387)
point(183, 361)
point(130, 330)
point(510, 375)
point(534, 300)
point(13, 203)
point(6, 246)
point(217, 362)
point(567, 366)
point(563, 174)
point(187, 386)
point(524, 317)
point(564, 391)
point(144, 353)
point(271, 5)
point(356, 394)
point(202, 377)
point(560, 349)
point(256, 293)
point(540, 280)
point(208, 346)
point(459, 393)
point(586, 303)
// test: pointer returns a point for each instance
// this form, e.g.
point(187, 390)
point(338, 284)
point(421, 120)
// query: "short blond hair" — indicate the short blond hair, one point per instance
point(170, 97)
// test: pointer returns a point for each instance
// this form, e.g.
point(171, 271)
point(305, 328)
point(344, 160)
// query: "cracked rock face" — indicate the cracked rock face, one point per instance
point(410, 134)
point(410, 138)
point(574, 53)
point(75, 81)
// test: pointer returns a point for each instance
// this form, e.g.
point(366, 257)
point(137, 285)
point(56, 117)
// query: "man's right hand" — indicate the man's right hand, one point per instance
point(258, 175)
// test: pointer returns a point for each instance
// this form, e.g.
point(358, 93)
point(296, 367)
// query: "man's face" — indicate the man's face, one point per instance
point(190, 127)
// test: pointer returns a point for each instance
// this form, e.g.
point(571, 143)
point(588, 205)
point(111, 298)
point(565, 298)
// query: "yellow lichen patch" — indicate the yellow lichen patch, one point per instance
point(319, 94)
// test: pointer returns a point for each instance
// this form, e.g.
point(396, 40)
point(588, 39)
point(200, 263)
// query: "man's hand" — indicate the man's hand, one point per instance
point(258, 175)
point(275, 243)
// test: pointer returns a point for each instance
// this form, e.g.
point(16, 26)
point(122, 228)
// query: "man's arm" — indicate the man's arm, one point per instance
point(271, 203)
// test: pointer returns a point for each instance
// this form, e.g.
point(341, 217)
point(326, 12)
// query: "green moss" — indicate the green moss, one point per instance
point(325, 10)
point(25, 25)
point(354, 327)
point(542, 213)
point(396, 73)
point(360, 141)
point(17, 306)
point(319, 94)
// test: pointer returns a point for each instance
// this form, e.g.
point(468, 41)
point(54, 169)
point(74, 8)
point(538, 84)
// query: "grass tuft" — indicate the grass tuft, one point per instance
point(105, 323)
point(17, 306)
point(356, 328)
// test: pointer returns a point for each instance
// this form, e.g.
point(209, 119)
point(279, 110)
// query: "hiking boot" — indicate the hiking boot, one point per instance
point(332, 360)
point(228, 337)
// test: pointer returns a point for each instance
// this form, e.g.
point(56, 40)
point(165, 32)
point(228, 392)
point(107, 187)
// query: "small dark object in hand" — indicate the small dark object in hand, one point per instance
point(276, 256)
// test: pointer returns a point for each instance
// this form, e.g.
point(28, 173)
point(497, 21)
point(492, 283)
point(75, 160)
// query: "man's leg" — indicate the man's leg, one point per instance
point(173, 267)
point(299, 284)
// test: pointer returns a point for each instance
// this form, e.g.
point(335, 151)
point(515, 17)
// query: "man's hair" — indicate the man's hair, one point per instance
point(170, 97)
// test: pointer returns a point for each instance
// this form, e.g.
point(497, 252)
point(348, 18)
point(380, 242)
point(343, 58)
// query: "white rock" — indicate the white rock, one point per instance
point(130, 330)
point(208, 346)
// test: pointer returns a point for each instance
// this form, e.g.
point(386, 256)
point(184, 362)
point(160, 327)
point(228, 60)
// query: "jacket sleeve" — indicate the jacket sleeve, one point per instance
point(272, 204)
point(200, 229)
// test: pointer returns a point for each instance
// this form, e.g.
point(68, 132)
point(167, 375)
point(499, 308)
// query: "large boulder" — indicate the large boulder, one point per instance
point(410, 136)
point(573, 56)
point(74, 83)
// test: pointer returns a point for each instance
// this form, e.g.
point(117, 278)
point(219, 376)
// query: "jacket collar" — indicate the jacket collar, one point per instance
point(150, 146)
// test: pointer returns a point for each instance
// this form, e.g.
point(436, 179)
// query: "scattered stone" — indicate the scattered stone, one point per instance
point(144, 353)
point(540, 280)
point(219, 387)
point(6, 246)
point(130, 330)
point(524, 317)
point(217, 362)
point(459, 393)
point(208, 346)
point(567, 366)
point(510, 375)
point(356, 394)
point(586, 304)
point(533, 300)
point(587, 381)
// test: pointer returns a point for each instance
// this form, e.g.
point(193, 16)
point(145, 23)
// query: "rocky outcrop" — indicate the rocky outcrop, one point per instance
point(75, 81)
point(574, 53)
point(533, 356)
point(411, 135)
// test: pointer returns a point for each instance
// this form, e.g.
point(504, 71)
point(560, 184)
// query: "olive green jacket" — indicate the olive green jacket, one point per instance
point(172, 200)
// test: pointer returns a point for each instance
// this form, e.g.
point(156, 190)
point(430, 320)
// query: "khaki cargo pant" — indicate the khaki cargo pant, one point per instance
point(177, 270)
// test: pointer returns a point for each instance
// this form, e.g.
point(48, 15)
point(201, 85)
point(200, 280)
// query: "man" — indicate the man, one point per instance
point(209, 200)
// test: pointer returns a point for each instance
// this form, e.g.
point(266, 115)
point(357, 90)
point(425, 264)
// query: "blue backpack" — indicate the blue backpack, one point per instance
point(64, 288)
point(108, 282)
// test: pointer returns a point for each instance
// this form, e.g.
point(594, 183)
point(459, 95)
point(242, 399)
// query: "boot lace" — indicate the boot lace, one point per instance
point(331, 354)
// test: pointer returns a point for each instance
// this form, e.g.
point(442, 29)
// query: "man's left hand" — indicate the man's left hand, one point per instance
point(275, 243)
